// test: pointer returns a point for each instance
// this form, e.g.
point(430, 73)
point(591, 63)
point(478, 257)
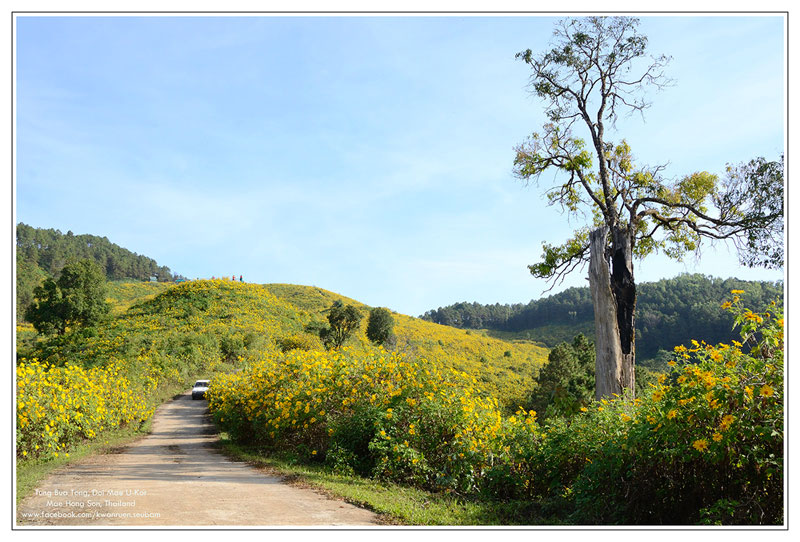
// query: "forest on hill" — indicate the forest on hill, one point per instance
point(42, 253)
point(669, 312)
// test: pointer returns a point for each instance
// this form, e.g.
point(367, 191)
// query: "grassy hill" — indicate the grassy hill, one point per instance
point(507, 367)
point(123, 294)
point(161, 337)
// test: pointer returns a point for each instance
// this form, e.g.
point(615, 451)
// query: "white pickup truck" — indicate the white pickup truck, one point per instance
point(199, 390)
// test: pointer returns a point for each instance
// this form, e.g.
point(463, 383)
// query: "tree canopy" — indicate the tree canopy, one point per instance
point(51, 250)
point(43, 253)
point(566, 383)
point(77, 298)
point(587, 80)
point(597, 69)
point(380, 325)
point(670, 312)
point(343, 320)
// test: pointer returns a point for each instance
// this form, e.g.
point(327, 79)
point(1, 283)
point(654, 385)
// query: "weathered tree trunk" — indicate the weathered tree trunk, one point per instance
point(614, 297)
point(624, 288)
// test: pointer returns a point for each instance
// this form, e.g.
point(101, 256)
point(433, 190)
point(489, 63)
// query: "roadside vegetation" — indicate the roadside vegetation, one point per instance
point(75, 388)
point(433, 418)
point(704, 444)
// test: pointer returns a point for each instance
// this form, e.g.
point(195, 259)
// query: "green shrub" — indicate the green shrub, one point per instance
point(704, 445)
point(380, 325)
point(231, 347)
point(566, 383)
point(343, 320)
point(298, 342)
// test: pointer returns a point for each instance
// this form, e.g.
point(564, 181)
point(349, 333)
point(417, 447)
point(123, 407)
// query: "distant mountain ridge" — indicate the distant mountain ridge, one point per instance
point(669, 312)
point(42, 253)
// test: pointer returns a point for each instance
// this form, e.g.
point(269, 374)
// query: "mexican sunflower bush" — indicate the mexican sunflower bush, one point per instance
point(58, 407)
point(371, 412)
point(705, 445)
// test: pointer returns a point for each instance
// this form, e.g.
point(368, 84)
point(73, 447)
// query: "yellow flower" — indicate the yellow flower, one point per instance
point(726, 422)
point(671, 414)
point(717, 437)
point(766, 390)
point(701, 445)
point(584, 409)
point(737, 292)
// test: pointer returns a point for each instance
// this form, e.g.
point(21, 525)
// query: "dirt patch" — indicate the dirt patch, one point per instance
point(176, 477)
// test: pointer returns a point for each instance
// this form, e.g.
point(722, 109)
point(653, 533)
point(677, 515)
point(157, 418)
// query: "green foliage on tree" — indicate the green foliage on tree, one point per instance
point(47, 312)
point(755, 190)
point(343, 320)
point(597, 68)
point(76, 299)
point(566, 383)
point(380, 325)
point(29, 276)
point(43, 253)
point(669, 312)
point(50, 250)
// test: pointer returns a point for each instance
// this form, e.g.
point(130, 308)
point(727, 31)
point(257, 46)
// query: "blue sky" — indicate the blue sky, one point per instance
point(371, 156)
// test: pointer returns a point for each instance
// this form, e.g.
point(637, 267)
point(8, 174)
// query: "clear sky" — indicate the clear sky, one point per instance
point(371, 156)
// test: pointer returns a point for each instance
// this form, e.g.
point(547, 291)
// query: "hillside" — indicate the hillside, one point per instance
point(42, 253)
point(668, 312)
point(507, 367)
point(175, 333)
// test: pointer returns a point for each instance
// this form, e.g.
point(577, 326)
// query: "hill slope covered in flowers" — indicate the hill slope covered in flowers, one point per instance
point(703, 445)
point(72, 388)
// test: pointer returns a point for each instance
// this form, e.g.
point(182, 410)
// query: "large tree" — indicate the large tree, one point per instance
point(597, 69)
point(77, 298)
point(566, 382)
point(344, 320)
point(380, 324)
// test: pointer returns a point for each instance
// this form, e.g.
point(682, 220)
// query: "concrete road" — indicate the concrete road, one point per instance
point(175, 477)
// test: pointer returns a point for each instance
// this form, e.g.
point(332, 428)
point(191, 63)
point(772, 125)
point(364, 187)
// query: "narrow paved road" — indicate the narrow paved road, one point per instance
point(174, 477)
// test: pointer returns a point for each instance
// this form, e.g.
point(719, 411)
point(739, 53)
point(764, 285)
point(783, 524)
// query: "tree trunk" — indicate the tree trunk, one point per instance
point(624, 288)
point(614, 298)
